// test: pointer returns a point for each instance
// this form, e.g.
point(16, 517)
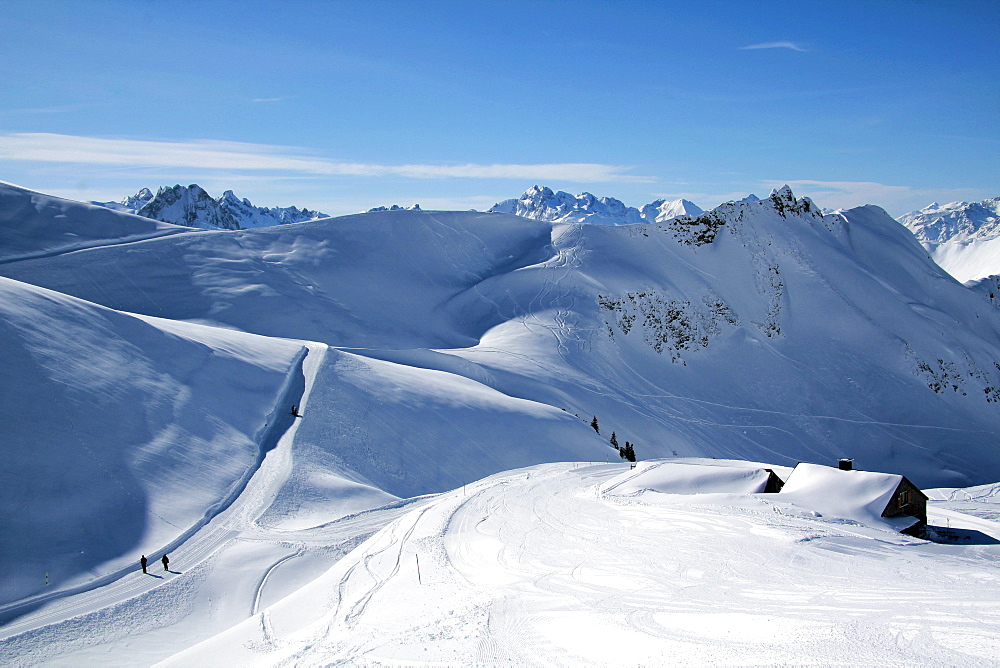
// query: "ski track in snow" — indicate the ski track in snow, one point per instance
point(536, 567)
point(222, 522)
point(192, 556)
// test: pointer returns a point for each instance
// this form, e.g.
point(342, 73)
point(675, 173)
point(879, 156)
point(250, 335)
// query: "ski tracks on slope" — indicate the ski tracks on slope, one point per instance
point(194, 549)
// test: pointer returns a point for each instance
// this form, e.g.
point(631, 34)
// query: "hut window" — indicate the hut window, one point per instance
point(904, 497)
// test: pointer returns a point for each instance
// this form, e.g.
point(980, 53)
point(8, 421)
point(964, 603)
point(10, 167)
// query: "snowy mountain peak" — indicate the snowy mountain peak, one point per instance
point(542, 203)
point(192, 206)
point(784, 192)
point(962, 237)
point(395, 207)
point(662, 210)
point(956, 221)
point(784, 202)
point(138, 200)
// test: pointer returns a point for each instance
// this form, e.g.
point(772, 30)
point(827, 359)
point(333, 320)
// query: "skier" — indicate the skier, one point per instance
point(295, 412)
point(142, 561)
point(165, 562)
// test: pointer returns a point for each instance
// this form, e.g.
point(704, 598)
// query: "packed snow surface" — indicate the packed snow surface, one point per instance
point(539, 566)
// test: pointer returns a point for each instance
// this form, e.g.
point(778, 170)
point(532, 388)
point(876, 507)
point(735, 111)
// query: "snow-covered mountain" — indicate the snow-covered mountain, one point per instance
point(540, 203)
point(835, 325)
point(191, 206)
point(394, 207)
point(962, 237)
point(150, 370)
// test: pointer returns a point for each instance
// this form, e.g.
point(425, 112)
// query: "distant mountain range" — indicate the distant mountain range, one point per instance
point(540, 203)
point(192, 206)
point(962, 237)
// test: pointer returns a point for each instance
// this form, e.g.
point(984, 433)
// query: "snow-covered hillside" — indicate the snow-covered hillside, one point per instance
point(760, 327)
point(962, 237)
point(153, 369)
point(540, 203)
point(122, 431)
point(33, 225)
point(191, 206)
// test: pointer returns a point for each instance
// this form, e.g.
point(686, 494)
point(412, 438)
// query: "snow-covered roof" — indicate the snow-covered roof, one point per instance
point(668, 477)
point(856, 495)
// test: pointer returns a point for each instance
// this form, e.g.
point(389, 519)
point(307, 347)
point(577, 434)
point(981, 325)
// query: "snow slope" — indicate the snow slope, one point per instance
point(33, 225)
point(121, 431)
point(962, 237)
point(537, 566)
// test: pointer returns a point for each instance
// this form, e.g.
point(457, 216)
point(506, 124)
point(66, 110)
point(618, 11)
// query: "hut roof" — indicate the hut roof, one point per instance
point(689, 477)
point(853, 495)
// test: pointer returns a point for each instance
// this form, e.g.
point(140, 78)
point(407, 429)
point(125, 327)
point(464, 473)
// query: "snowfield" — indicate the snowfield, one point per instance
point(446, 368)
point(539, 566)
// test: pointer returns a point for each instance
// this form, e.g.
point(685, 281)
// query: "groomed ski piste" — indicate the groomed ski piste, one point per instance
point(443, 498)
point(557, 564)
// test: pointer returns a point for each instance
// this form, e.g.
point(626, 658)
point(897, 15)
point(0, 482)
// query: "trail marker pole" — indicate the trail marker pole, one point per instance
point(419, 580)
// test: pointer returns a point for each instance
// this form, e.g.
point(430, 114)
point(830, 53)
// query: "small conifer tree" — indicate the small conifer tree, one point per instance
point(614, 441)
point(593, 423)
point(628, 452)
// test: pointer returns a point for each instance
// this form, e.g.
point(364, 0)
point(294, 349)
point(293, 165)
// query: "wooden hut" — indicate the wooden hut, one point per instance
point(865, 496)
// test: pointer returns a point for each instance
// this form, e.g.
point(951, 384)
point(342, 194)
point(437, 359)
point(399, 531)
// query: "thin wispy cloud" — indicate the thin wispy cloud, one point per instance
point(776, 45)
point(225, 155)
point(259, 100)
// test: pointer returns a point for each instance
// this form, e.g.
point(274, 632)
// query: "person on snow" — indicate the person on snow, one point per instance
point(295, 411)
point(142, 562)
point(165, 562)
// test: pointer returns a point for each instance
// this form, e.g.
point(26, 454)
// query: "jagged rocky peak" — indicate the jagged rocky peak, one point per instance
point(138, 200)
point(192, 206)
point(541, 203)
point(783, 201)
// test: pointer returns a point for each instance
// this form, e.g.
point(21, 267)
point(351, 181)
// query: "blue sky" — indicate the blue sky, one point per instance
point(342, 106)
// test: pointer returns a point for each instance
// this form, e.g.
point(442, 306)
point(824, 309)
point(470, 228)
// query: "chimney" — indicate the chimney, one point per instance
point(846, 464)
